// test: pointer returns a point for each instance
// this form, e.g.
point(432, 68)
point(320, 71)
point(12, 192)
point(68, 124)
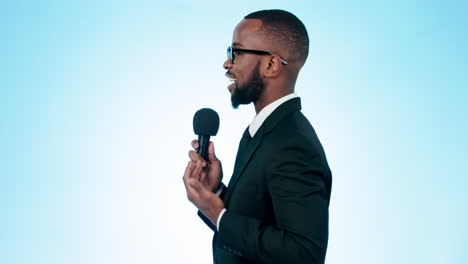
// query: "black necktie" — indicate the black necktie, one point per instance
point(244, 141)
point(243, 146)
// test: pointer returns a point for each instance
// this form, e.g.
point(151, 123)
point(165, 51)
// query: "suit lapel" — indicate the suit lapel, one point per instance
point(246, 151)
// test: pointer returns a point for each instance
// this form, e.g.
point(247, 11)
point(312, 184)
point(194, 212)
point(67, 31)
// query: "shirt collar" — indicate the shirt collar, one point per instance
point(266, 112)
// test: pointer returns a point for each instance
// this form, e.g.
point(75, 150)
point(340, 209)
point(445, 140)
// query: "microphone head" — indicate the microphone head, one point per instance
point(206, 122)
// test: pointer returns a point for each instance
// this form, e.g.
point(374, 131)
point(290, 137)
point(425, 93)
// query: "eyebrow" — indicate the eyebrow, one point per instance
point(236, 44)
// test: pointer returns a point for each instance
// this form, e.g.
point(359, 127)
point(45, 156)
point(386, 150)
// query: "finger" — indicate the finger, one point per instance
point(202, 194)
point(198, 188)
point(203, 174)
point(195, 185)
point(211, 152)
point(196, 173)
point(186, 177)
point(194, 156)
point(192, 193)
point(188, 171)
point(195, 144)
point(193, 170)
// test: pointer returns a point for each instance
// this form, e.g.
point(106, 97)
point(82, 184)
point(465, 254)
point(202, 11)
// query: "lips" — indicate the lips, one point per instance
point(231, 77)
point(233, 80)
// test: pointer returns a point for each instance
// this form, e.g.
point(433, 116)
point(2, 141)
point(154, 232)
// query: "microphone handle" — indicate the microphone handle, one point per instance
point(203, 142)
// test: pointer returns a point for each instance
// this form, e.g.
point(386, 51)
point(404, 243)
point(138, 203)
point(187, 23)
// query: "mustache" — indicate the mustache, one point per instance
point(230, 74)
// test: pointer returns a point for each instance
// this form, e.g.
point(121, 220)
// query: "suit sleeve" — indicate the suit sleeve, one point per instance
point(296, 182)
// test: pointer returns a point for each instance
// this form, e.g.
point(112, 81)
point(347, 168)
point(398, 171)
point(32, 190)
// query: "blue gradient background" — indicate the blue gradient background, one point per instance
point(97, 101)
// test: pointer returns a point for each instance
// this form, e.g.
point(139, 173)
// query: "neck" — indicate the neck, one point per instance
point(266, 100)
point(274, 90)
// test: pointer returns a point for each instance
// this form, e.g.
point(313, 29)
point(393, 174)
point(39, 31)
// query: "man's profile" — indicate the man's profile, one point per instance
point(275, 207)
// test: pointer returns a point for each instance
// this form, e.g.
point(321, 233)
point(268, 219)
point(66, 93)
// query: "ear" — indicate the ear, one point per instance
point(274, 66)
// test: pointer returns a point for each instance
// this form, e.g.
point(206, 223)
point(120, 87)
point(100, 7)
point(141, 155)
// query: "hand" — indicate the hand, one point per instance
point(212, 172)
point(204, 199)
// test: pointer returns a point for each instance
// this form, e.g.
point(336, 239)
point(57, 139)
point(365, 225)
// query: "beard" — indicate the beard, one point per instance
point(248, 92)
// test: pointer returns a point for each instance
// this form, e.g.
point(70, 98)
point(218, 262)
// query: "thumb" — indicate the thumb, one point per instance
point(211, 152)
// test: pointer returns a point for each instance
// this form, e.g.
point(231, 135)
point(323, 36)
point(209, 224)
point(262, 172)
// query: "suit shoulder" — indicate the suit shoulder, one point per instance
point(295, 131)
point(294, 141)
point(294, 126)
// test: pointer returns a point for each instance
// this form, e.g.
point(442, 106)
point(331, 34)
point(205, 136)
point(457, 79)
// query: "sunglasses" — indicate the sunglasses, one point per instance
point(231, 53)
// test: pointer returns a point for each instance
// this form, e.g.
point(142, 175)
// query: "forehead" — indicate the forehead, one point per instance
point(246, 34)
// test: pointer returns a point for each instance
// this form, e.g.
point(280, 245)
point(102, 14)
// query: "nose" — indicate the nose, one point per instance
point(227, 64)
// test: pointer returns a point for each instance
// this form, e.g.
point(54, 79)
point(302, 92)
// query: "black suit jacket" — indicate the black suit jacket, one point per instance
point(278, 196)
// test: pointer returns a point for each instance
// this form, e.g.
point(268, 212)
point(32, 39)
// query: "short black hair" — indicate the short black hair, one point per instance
point(286, 29)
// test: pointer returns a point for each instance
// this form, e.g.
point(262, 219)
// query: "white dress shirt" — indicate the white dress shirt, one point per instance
point(253, 128)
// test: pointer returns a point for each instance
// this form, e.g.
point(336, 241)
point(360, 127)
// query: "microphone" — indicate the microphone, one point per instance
point(205, 124)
